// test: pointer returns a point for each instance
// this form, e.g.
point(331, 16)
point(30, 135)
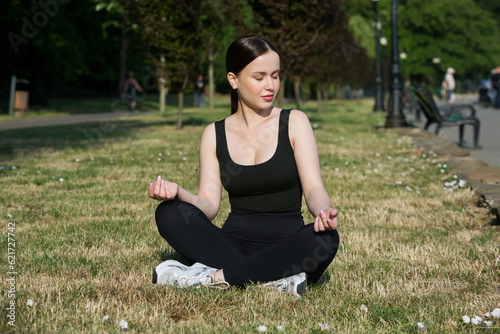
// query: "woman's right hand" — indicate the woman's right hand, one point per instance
point(162, 190)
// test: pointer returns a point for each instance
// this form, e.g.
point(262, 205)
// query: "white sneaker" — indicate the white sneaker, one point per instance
point(199, 275)
point(167, 272)
point(296, 284)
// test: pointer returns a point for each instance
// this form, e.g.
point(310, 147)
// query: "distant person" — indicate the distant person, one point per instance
point(199, 92)
point(495, 84)
point(130, 91)
point(450, 85)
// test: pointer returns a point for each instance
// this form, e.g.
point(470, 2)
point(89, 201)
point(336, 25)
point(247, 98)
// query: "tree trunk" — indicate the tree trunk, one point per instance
point(181, 102)
point(326, 96)
point(281, 93)
point(318, 97)
point(296, 91)
point(163, 84)
point(179, 112)
point(211, 84)
point(123, 59)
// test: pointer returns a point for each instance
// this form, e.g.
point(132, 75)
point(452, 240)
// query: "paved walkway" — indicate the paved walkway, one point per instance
point(481, 167)
point(62, 120)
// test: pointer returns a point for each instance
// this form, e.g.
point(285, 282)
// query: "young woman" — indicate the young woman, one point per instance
point(265, 158)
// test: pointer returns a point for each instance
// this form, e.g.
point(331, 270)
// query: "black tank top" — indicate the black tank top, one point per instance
point(269, 187)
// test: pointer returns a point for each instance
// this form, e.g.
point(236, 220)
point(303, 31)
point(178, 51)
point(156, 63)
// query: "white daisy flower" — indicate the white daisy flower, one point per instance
point(466, 319)
point(363, 308)
point(262, 329)
point(488, 323)
point(61, 179)
point(420, 325)
point(324, 327)
point(123, 324)
point(29, 302)
point(496, 313)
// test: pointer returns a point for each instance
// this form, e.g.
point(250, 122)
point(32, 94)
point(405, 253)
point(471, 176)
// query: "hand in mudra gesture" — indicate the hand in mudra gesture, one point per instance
point(162, 190)
point(326, 220)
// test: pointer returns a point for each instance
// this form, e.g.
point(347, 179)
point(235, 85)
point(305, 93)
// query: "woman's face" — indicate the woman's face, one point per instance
point(258, 83)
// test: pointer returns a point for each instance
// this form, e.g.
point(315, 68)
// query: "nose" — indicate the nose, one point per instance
point(271, 84)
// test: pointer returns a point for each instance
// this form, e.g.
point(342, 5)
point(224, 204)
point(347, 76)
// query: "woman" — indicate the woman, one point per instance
point(265, 158)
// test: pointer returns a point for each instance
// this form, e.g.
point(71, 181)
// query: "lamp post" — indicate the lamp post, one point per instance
point(395, 117)
point(378, 80)
point(383, 42)
point(403, 56)
point(436, 61)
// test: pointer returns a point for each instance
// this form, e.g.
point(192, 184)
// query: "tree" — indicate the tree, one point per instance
point(463, 33)
point(170, 36)
point(458, 31)
point(312, 38)
point(216, 21)
point(119, 19)
point(45, 46)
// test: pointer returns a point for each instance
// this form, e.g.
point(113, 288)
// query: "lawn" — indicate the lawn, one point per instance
point(80, 241)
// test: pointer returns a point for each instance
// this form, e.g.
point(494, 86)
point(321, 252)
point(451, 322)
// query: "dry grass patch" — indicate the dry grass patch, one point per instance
point(412, 249)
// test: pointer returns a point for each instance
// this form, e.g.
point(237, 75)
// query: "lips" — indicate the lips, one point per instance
point(268, 98)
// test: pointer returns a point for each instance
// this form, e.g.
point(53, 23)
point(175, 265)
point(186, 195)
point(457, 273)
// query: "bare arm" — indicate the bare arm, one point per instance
point(210, 189)
point(307, 159)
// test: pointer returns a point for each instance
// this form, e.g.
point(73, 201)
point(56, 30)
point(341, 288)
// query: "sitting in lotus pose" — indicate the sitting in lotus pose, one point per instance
point(266, 158)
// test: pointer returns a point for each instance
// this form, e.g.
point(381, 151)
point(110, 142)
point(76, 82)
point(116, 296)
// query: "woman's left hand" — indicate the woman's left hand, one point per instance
point(326, 220)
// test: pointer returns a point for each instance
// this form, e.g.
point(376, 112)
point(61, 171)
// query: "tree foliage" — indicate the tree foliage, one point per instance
point(313, 39)
point(463, 33)
point(55, 46)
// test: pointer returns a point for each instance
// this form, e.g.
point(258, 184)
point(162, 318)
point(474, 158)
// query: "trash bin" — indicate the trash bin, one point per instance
point(21, 100)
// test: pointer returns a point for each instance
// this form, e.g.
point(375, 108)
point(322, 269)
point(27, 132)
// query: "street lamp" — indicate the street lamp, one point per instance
point(395, 117)
point(403, 57)
point(436, 61)
point(378, 81)
point(383, 42)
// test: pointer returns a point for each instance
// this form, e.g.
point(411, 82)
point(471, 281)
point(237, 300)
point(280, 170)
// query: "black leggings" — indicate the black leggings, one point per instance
point(248, 248)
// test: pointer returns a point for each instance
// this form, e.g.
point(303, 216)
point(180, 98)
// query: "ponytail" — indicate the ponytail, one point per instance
point(234, 101)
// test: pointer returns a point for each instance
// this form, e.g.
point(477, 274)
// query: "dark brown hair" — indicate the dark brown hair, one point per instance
point(241, 53)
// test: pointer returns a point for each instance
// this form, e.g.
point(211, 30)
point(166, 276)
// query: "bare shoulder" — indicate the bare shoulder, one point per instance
point(299, 126)
point(298, 120)
point(208, 136)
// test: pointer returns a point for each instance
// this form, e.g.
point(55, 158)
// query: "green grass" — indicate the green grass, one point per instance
point(86, 241)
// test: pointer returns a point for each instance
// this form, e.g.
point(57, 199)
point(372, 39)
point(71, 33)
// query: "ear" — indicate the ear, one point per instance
point(233, 80)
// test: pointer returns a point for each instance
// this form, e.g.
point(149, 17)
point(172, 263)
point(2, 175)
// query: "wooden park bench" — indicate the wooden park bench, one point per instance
point(448, 115)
